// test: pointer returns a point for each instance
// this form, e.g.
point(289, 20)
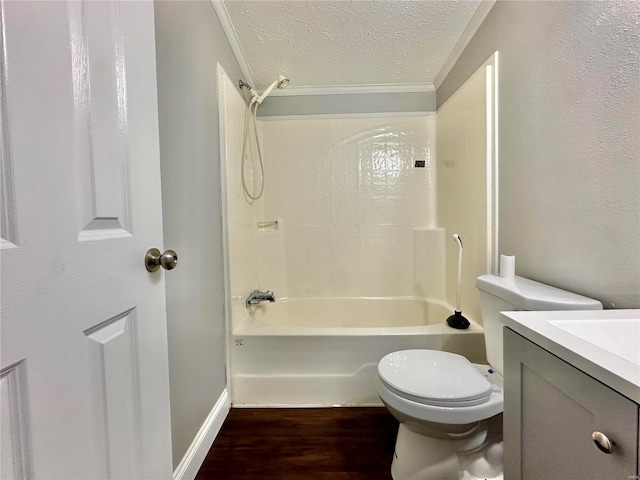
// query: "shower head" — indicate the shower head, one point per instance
point(281, 82)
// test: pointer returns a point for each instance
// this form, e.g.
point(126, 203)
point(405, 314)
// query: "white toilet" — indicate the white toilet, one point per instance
point(450, 409)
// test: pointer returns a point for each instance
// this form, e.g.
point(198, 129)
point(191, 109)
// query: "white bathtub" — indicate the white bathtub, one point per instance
point(324, 351)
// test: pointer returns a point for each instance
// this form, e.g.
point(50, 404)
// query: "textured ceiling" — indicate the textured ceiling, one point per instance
point(348, 42)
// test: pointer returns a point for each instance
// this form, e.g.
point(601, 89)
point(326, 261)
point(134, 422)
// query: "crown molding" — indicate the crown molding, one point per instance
point(333, 116)
point(472, 27)
point(354, 89)
point(230, 32)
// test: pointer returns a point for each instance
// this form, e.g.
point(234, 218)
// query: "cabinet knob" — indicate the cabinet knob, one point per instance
point(602, 442)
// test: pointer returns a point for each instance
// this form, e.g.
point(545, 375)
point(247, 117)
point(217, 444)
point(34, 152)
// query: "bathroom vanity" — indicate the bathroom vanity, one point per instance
point(572, 394)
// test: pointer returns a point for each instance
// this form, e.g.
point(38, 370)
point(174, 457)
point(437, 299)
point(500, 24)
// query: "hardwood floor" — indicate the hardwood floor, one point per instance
point(303, 443)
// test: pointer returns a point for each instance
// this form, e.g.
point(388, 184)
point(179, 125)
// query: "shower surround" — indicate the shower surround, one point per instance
point(347, 228)
point(346, 196)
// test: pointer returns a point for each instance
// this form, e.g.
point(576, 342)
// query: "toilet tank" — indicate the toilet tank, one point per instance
point(499, 294)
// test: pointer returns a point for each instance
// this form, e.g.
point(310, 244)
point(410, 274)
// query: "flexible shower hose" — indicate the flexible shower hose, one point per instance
point(247, 116)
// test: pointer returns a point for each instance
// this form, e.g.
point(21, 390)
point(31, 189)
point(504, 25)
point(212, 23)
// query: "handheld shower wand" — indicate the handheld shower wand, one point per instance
point(252, 111)
point(457, 320)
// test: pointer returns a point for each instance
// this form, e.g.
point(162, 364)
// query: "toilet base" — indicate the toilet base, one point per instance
point(421, 457)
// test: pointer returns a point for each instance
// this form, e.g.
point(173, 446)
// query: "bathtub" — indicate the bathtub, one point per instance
point(324, 351)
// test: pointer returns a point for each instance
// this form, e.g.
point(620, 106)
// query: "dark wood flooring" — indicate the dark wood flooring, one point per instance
point(303, 443)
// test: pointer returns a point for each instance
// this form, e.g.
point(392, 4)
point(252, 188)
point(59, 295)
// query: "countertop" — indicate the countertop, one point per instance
point(605, 344)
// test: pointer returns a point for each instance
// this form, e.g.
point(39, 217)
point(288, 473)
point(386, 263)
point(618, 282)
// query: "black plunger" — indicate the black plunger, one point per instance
point(457, 320)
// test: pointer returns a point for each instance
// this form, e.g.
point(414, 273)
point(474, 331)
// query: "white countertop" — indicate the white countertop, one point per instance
point(604, 344)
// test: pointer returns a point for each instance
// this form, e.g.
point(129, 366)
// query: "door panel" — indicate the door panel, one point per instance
point(100, 100)
point(15, 446)
point(113, 371)
point(84, 369)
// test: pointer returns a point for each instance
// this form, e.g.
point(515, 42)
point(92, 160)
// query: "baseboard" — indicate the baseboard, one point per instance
point(192, 460)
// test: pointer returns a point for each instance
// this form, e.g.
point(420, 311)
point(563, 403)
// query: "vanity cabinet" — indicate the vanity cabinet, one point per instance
point(551, 410)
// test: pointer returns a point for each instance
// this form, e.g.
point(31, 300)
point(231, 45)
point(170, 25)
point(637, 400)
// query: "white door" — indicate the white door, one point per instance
point(84, 377)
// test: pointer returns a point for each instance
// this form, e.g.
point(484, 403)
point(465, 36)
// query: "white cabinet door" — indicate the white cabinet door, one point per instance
point(551, 410)
point(84, 377)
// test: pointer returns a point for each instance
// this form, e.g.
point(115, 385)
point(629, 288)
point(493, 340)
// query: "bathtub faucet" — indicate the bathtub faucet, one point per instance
point(256, 297)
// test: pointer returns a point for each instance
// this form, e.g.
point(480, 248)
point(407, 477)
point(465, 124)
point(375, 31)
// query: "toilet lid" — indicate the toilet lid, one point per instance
point(435, 378)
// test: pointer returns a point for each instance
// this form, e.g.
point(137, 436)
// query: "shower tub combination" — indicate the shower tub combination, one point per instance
point(324, 351)
point(322, 235)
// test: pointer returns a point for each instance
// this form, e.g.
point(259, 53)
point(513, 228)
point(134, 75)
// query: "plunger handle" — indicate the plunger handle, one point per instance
point(458, 240)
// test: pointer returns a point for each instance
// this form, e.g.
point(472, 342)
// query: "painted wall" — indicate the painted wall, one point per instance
point(348, 104)
point(569, 118)
point(462, 189)
point(347, 198)
point(189, 42)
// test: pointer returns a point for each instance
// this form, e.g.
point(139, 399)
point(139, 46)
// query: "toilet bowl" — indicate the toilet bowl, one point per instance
point(443, 403)
point(450, 410)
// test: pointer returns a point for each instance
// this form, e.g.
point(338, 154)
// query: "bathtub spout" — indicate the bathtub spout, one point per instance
point(256, 297)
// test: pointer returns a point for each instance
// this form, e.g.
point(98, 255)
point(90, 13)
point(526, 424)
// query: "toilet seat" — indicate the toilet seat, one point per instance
point(433, 377)
point(408, 401)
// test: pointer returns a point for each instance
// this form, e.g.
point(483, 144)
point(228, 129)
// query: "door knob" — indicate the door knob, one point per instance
point(153, 260)
point(602, 442)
